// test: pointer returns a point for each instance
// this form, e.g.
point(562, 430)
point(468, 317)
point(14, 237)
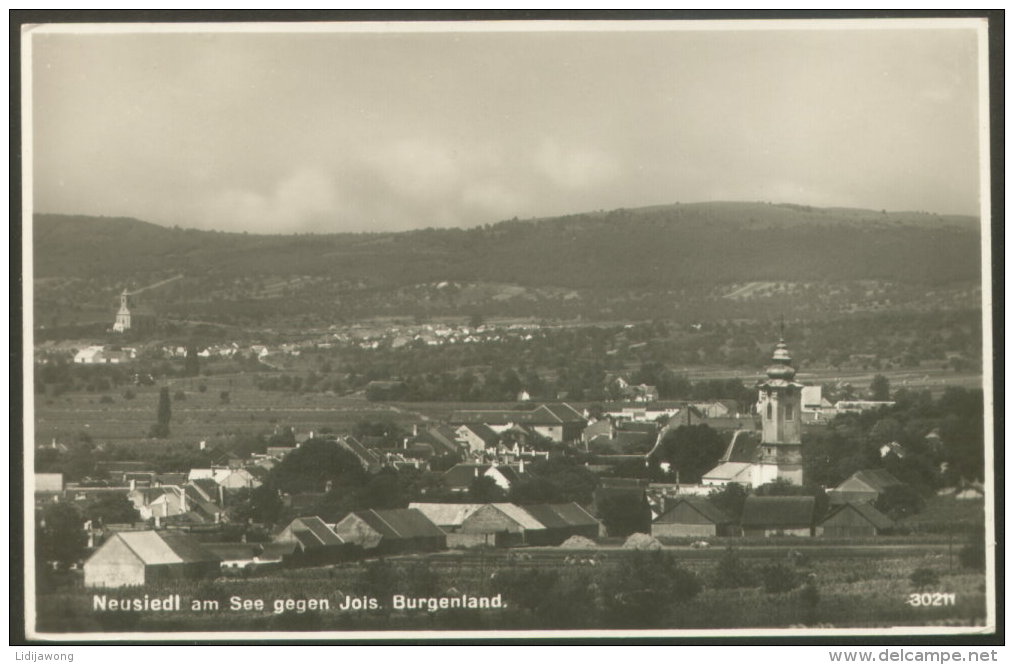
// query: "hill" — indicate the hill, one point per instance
point(651, 248)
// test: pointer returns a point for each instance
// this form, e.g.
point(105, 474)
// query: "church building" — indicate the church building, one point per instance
point(133, 316)
point(779, 452)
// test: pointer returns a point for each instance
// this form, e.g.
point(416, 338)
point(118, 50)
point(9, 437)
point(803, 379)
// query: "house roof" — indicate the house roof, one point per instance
point(368, 457)
point(442, 438)
point(446, 514)
point(171, 478)
point(206, 486)
point(705, 508)
point(159, 548)
point(729, 471)
point(320, 533)
point(277, 550)
point(560, 515)
point(519, 515)
point(462, 475)
point(400, 523)
point(778, 511)
point(742, 448)
point(561, 412)
point(482, 431)
point(877, 479)
point(866, 511)
point(233, 550)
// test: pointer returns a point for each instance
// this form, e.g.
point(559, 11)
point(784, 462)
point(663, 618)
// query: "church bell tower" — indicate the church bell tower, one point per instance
point(779, 401)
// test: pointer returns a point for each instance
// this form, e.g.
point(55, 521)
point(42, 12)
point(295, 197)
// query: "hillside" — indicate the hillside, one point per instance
point(655, 247)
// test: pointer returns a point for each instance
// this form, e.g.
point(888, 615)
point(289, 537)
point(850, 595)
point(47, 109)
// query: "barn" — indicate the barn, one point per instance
point(313, 541)
point(778, 516)
point(561, 521)
point(866, 485)
point(134, 558)
point(692, 516)
point(391, 531)
point(853, 520)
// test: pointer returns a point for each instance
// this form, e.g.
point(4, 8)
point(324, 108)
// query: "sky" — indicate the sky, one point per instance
point(331, 132)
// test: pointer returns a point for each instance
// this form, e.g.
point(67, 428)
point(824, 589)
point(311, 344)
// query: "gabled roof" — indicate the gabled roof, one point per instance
point(510, 473)
point(742, 448)
point(705, 508)
point(560, 515)
point(206, 486)
point(866, 511)
point(446, 514)
point(320, 534)
point(488, 436)
point(562, 412)
point(233, 550)
point(877, 479)
point(729, 472)
point(171, 478)
point(778, 511)
point(462, 475)
point(159, 548)
point(367, 456)
point(519, 515)
point(400, 523)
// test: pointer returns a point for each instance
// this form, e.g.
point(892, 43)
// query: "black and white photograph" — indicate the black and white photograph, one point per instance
point(507, 329)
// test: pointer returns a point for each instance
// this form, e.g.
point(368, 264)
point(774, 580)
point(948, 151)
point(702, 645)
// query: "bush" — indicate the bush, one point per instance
point(128, 394)
point(732, 573)
point(924, 578)
point(779, 578)
point(202, 387)
point(180, 396)
point(973, 555)
point(106, 399)
point(224, 396)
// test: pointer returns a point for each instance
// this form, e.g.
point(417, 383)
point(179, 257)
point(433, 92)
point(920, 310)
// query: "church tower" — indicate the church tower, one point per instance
point(779, 402)
point(122, 323)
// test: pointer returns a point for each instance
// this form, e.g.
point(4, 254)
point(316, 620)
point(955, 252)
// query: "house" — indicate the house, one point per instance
point(560, 522)
point(476, 436)
point(558, 422)
point(739, 462)
point(134, 558)
point(603, 427)
point(437, 440)
point(313, 541)
point(815, 408)
point(102, 355)
point(851, 520)
point(461, 476)
point(232, 479)
point(893, 448)
point(692, 516)
point(448, 516)
point(235, 555)
point(778, 516)
point(48, 482)
point(391, 531)
point(865, 485)
point(474, 524)
point(368, 457)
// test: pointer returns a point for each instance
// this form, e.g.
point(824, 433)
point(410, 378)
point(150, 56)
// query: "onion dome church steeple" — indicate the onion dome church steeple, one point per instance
point(781, 369)
point(779, 403)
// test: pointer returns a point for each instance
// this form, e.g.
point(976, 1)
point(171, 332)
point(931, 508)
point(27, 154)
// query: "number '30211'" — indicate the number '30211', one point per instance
point(937, 599)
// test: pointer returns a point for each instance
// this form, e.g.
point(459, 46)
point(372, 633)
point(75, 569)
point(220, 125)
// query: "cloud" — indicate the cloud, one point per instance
point(296, 201)
point(574, 167)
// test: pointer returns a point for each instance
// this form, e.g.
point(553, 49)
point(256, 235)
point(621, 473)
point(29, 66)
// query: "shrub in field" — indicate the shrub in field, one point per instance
point(526, 588)
point(643, 590)
point(779, 578)
point(128, 394)
point(106, 399)
point(731, 572)
point(924, 578)
point(202, 387)
point(180, 396)
point(973, 555)
point(223, 397)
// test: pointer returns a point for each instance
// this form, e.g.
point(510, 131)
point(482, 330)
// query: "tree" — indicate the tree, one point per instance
point(60, 535)
point(730, 500)
point(731, 572)
point(899, 501)
point(924, 578)
point(624, 513)
point(485, 490)
point(192, 363)
point(160, 430)
point(112, 509)
point(692, 450)
point(880, 388)
point(260, 504)
point(642, 590)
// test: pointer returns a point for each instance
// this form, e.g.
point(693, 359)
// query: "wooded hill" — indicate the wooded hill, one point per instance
point(645, 248)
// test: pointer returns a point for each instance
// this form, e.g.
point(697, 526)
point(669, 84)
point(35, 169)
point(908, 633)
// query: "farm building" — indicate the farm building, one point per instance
point(476, 436)
point(561, 521)
point(314, 541)
point(133, 558)
point(854, 519)
point(388, 531)
point(692, 516)
point(472, 524)
point(778, 516)
point(461, 476)
point(863, 486)
point(235, 555)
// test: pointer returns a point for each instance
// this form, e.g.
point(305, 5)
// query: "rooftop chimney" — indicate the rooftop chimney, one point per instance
point(133, 484)
point(183, 500)
point(521, 465)
point(202, 445)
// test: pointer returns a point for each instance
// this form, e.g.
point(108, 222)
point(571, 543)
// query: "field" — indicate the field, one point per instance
point(851, 593)
point(204, 415)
